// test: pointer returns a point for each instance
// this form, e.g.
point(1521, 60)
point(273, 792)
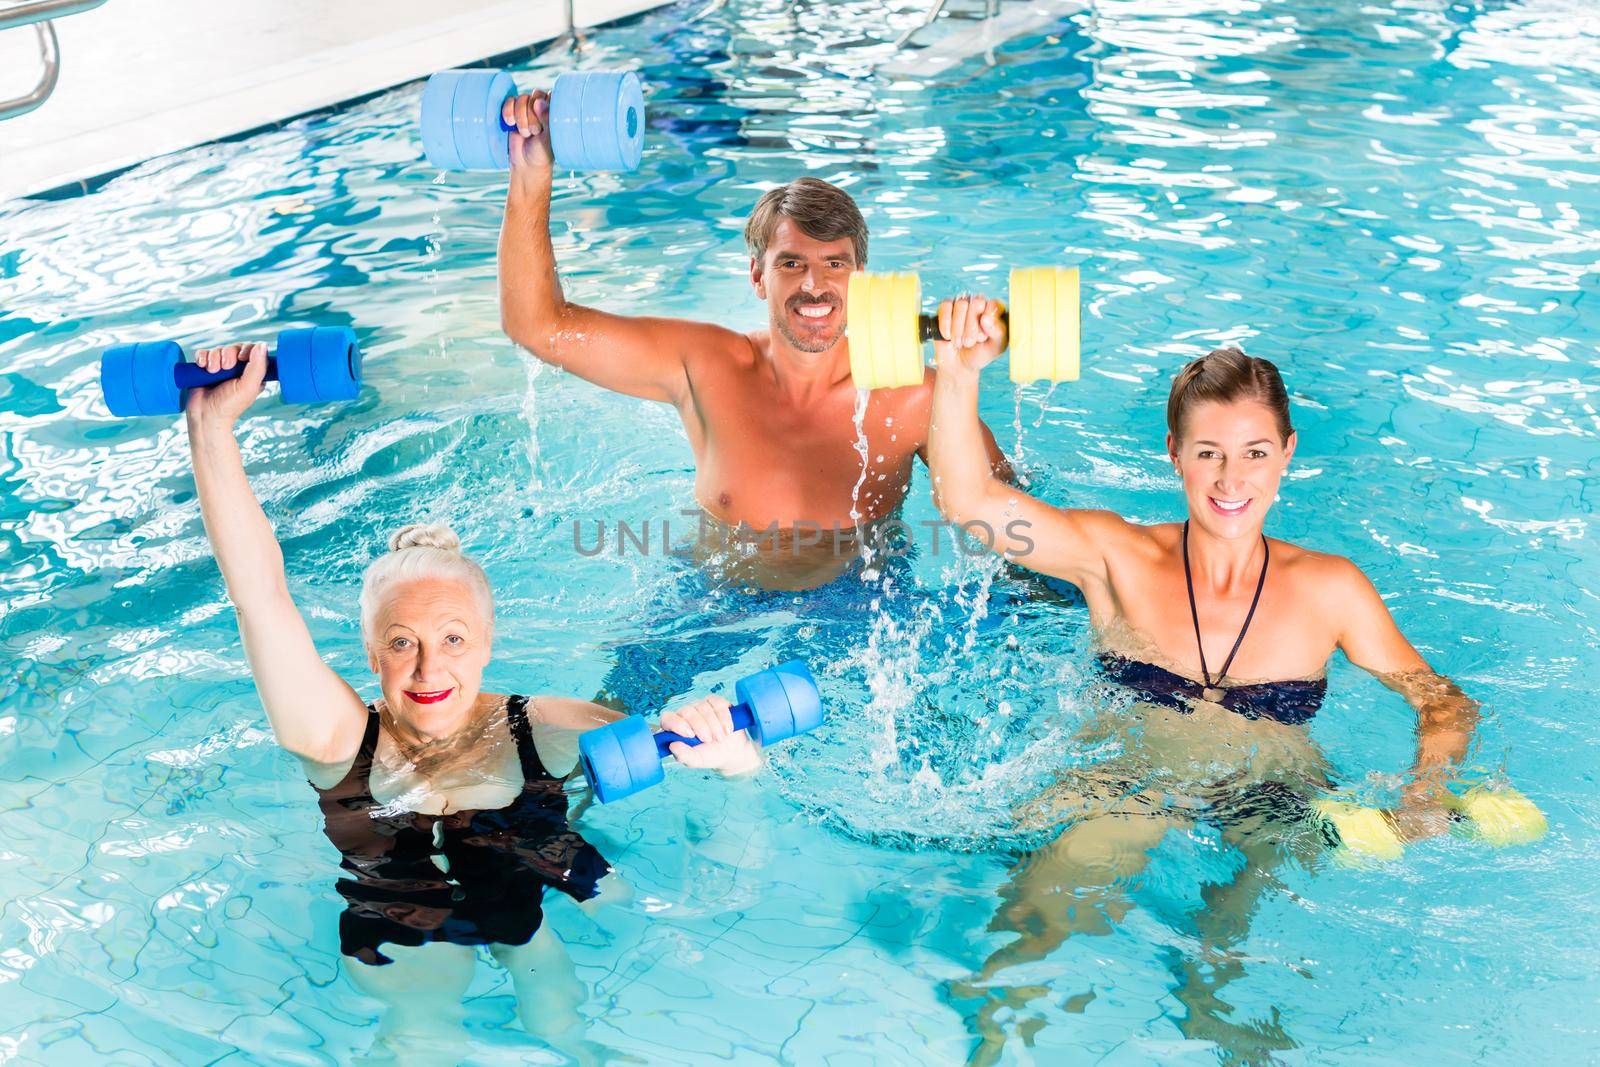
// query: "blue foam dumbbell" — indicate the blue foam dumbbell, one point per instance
point(596, 120)
point(312, 365)
point(623, 757)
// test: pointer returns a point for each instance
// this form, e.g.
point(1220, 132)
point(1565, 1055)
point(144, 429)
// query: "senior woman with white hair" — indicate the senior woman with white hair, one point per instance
point(446, 802)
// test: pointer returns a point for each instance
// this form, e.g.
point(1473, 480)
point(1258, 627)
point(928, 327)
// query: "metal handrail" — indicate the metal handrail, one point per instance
point(40, 10)
point(38, 13)
point(49, 55)
point(991, 8)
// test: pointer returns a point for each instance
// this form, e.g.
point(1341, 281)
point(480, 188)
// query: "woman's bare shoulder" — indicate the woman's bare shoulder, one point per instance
point(1156, 539)
point(1328, 572)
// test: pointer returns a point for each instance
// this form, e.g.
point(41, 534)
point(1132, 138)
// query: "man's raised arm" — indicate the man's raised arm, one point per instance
point(642, 357)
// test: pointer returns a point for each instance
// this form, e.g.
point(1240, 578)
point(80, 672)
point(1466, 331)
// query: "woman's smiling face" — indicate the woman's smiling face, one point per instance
point(1231, 460)
point(430, 644)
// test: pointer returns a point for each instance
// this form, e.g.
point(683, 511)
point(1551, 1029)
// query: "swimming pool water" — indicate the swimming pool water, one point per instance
point(1396, 203)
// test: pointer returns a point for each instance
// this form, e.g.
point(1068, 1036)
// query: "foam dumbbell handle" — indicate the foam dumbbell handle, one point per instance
point(194, 376)
point(928, 325)
point(743, 719)
point(314, 364)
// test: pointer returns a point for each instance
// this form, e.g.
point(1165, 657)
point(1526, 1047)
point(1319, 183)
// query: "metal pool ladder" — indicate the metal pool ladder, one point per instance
point(38, 14)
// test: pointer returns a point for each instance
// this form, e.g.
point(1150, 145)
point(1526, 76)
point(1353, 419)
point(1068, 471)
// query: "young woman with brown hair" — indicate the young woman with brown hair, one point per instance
point(1221, 637)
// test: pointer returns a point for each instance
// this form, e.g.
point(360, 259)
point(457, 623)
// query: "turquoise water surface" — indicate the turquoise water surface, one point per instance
point(1401, 207)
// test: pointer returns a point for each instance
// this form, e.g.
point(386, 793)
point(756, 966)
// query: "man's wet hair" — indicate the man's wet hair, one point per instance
point(822, 210)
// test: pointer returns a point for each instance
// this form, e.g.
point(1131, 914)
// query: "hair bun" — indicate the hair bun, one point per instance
point(425, 535)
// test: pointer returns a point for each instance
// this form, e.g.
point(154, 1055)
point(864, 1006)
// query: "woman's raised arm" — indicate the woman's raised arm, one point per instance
point(1066, 543)
point(314, 713)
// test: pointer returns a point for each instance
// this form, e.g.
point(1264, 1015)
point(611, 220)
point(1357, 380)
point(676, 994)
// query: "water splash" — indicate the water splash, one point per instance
point(869, 573)
point(534, 368)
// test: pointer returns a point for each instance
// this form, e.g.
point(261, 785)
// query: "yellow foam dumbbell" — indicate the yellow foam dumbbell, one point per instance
point(1499, 817)
point(1364, 834)
point(887, 327)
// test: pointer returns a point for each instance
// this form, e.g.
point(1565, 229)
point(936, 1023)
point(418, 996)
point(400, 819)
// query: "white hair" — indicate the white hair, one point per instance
point(418, 552)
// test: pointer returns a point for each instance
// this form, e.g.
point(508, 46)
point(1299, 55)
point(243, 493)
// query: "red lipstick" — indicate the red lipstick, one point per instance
point(427, 698)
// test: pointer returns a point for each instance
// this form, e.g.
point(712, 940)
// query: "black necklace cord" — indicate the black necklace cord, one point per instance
point(1194, 612)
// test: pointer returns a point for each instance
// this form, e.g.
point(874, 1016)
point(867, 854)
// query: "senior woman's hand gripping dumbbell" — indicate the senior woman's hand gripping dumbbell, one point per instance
point(312, 365)
point(596, 120)
point(623, 757)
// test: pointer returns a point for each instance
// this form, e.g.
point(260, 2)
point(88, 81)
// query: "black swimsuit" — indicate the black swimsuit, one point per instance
point(493, 866)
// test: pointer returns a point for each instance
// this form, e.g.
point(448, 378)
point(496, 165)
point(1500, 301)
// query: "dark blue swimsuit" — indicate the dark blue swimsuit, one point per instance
point(1293, 702)
point(496, 864)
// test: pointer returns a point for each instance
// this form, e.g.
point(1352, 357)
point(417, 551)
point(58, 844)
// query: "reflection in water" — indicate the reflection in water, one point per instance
point(1250, 781)
point(1082, 885)
point(1184, 765)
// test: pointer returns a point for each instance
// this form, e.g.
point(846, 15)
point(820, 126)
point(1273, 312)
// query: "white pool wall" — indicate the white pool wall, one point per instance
point(141, 78)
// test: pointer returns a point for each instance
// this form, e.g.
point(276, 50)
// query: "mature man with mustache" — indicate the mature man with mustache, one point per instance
point(770, 414)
